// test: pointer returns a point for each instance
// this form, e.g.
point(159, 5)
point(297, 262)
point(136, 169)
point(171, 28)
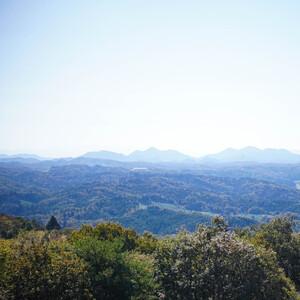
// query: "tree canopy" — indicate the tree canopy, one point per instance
point(110, 262)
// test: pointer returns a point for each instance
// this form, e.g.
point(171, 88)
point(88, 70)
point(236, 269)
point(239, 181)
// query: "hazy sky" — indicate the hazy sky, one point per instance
point(196, 76)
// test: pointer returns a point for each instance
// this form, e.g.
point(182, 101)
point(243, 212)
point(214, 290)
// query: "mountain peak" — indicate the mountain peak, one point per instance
point(153, 154)
point(152, 149)
point(250, 148)
point(253, 154)
point(106, 155)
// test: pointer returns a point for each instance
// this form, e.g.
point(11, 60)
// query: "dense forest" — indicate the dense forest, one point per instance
point(108, 261)
point(160, 200)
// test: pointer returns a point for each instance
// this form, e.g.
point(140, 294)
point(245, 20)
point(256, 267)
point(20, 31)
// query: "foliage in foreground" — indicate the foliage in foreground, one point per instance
point(12, 226)
point(109, 261)
point(215, 264)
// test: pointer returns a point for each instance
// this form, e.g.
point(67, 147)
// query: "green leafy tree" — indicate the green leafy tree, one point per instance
point(109, 232)
point(216, 264)
point(10, 226)
point(5, 250)
point(141, 269)
point(278, 236)
point(107, 269)
point(37, 268)
point(147, 243)
point(116, 270)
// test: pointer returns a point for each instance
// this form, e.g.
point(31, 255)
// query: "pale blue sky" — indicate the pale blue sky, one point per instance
point(196, 76)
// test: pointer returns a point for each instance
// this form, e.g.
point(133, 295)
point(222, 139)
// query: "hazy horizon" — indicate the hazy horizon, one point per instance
point(16, 153)
point(193, 76)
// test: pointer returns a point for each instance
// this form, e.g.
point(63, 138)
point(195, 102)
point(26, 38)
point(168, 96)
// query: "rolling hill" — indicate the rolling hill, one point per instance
point(159, 200)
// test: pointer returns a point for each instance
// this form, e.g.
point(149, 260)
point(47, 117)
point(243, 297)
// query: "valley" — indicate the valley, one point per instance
point(161, 198)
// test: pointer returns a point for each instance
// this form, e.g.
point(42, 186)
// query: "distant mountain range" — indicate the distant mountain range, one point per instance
point(252, 154)
point(22, 155)
point(153, 155)
point(230, 155)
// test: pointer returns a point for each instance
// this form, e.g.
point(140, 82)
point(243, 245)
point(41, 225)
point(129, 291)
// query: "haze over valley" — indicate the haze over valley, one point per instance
point(153, 190)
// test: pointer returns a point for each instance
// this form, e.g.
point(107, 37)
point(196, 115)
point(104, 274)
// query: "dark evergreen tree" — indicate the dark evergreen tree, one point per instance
point(53, 224)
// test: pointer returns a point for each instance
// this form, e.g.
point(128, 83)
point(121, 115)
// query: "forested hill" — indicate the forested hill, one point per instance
point(158, 200)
